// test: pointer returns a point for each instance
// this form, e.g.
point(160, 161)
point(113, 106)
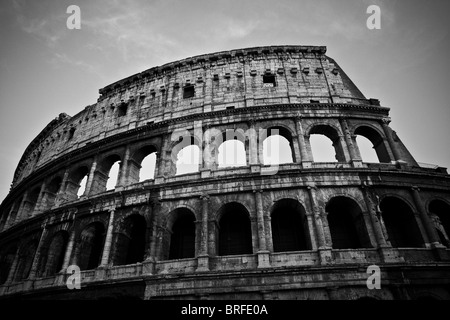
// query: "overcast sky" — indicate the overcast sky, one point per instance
point(46, 69)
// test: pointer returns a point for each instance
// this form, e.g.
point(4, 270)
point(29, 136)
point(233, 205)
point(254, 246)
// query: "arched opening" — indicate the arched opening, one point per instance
point(113, 176)
point(366, 150)
point(325, 144)
point(289, 226)
point(30, 203)
point(26, 257)
point(82, 186)
point(401, 225)
point(6, 261)
point(346, 224)
point(235, 233)
point(440, 215)
point(13, 214)
point(55, 254)
point(376, 143)
point(142, 165)
point(182, 239)
point(148, 166)
point(188, 160)
point(277, 146)
point(76, 184)
point(130, 244)
point(90, 246)
point(51, 192)
point(231, 153)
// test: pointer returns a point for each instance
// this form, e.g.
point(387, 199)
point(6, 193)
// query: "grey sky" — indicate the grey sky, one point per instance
point(46, 69)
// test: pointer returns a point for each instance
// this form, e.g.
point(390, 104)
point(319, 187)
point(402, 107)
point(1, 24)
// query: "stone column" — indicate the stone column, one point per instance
point(156, 205)
point(13, 268)
point(108, 240)
point(305, 157)
point(254, 156)
point(60, 195)
point(69, 250)
point(387, 132)
point(260, 220)
point(326, 229)
point(37, 255)
point(312, 230)
point(38, 208)
point(203, 258)
point(356, 161)
point(428, 224)
point(91, 177)
point(324, 251)
point(123, 172)
point(376, 224)
point(212, 249)
point(268, 229)
point(263, 253)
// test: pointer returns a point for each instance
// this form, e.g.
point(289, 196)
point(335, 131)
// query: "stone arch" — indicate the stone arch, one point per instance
point(235, 233)
point(377, 140)
point(289, 226)
point(25, 262)
point(54, 253)
point(104, 175)
point(439, 211)
point(191, 162)
point(6, 262)
point(346, 224)
point(179, 241)
point(130, 242)
point(286, 136)
point(74, 180)
point(400, 222)
point(90, 245)
point(138, 168)
point(30, 203)
point(333, 134)
point(231, 145)
point(51, 190)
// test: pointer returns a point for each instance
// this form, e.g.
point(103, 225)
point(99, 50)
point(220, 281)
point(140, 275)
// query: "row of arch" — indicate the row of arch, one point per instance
point(118, 169)
point(290, 231)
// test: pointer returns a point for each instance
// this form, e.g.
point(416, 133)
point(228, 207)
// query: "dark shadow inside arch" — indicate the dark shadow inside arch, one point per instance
point(6, 261)
point(289, 226)
point(55, 254)
point(235, 234)
point(182, 239)
point(26, 257)
point(401, 225)
point(91, 245)
point(51, 192)
point(130, 240)
point(346, 223)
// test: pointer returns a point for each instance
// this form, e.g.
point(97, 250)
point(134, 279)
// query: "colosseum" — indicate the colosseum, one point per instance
point(257, 229)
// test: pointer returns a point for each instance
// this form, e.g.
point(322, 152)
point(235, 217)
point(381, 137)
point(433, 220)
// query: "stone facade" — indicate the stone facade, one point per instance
point(308, 231)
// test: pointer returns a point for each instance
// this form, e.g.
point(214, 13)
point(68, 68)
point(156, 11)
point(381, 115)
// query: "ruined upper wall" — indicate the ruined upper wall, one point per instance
point(295, 74)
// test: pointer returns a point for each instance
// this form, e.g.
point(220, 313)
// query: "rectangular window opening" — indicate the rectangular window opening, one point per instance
point(269, 81)
point(188, 92)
